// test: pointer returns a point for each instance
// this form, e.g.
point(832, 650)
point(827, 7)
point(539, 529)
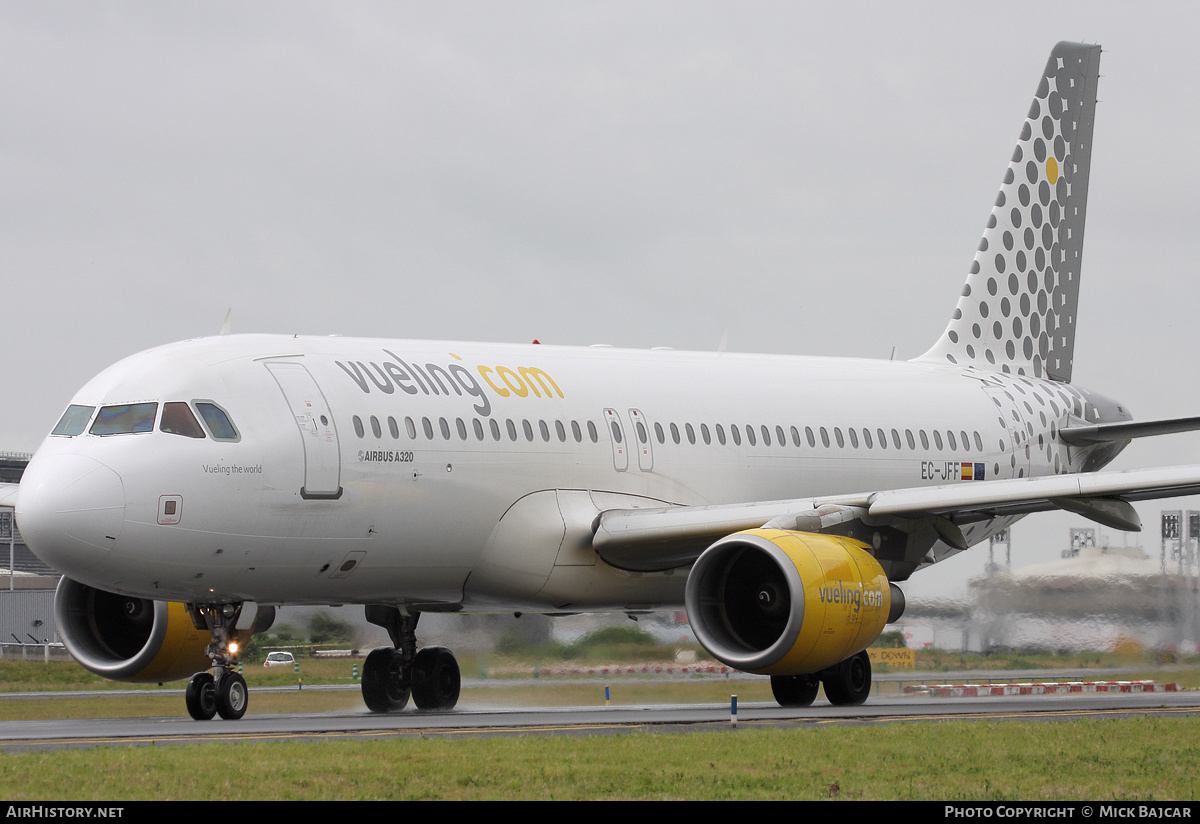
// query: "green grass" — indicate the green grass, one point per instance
point(1143, 759)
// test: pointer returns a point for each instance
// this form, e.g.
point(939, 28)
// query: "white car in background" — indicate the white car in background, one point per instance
point(279, 659)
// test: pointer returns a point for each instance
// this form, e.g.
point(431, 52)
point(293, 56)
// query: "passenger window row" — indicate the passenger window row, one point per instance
point(477, 428)
point(777, 436)
point(549, 431)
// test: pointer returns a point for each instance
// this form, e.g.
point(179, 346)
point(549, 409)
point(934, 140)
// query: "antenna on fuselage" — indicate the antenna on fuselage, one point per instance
point(227, 326)
point(724, 343)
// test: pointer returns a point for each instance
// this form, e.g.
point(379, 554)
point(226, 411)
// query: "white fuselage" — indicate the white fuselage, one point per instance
point(461, 475)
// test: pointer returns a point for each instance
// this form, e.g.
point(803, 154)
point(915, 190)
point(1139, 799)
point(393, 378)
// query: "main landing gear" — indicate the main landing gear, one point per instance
point(391, 675)
point(846, 684)
point(223, 691)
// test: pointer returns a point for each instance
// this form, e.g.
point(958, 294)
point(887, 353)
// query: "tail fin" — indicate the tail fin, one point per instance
point(1017, 310)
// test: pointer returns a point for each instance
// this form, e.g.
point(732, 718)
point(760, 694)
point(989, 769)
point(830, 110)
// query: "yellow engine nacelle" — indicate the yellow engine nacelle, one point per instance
point(128, 639)
point(775, 602)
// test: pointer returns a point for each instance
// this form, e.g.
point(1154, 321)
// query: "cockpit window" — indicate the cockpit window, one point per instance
point(74, 420)
point(177, 418)
point(125, 419)
point(218, 422)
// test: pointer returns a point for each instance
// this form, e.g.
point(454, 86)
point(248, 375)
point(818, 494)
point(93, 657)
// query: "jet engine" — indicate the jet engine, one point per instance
point(778, 602)
point(128, 639)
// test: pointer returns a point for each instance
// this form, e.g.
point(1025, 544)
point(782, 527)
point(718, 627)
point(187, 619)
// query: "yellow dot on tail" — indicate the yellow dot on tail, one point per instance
point(1052, 170)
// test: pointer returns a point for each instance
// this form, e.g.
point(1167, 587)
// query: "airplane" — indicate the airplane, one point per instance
point(189, 490)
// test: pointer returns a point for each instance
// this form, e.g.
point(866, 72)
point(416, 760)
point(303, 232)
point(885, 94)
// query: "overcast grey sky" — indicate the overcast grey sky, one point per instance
point(813, 180)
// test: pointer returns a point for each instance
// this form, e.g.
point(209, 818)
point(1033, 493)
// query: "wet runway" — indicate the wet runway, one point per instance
point(479, 720)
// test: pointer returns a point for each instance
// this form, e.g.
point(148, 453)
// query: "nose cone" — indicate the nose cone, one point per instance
point(70, 510)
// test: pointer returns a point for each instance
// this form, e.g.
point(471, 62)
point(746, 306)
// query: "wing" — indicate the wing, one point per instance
point(669, 537)
point(8, 494)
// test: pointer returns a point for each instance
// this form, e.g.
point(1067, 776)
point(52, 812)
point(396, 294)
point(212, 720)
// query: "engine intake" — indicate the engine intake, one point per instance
point(128, 639)
point(778, 602)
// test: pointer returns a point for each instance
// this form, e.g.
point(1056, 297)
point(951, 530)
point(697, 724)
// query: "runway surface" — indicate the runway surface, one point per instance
point(479, 720)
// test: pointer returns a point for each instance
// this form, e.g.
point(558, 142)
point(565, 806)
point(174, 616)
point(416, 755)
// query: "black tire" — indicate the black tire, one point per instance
point(849, 683)
point(201, 696)
point(386, 681)
point(795, 690)
point(232, 696)
point(436, 680)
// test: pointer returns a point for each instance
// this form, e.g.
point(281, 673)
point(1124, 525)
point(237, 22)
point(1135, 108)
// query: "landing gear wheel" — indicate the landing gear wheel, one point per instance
point(201, 696)
point(436, 680)
point(849, 683)
point(386, 681)
point(232, 696)
point(795, 690)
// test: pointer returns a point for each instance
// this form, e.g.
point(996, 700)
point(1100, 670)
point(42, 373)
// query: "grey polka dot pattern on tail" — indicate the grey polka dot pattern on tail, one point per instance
point(1017, 310)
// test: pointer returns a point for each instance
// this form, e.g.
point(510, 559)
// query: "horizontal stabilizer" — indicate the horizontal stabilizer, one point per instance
point(1124, 430)
point(8, 494)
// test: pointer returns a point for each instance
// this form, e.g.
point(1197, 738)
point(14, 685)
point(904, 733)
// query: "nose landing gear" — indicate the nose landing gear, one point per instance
point(223, 691)
point(201, 696)
point(232, 696)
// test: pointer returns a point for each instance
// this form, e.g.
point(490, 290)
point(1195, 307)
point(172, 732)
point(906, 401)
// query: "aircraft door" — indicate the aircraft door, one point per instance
point(322, 461)
point(641, 433)
point(616, 434)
